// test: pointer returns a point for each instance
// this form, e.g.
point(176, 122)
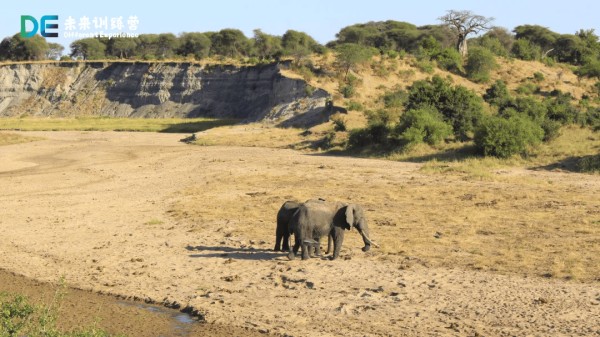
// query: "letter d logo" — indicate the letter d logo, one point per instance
point(24, 32)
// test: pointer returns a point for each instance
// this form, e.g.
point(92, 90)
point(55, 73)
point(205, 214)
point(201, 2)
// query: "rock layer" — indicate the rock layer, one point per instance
point(141, 89)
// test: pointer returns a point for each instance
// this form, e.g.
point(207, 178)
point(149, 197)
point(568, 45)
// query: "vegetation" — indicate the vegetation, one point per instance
point(175, 125)
point(18, 317)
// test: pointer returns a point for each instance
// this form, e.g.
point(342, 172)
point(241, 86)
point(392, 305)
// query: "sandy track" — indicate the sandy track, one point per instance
point(104, 211)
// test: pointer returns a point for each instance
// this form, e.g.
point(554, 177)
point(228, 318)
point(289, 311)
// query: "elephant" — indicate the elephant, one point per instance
point(283, 218)
point(314, 219)
point(284, 215)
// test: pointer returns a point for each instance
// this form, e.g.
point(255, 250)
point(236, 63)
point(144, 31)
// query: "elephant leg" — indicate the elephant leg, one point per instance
point(328, 244)
point(294, 250)
point(337, 245)
point(305, 252)
point(286, 242)
point(318, 247)
point(278, 243)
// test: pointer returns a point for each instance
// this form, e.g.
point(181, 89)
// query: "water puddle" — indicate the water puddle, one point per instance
point(182, 323)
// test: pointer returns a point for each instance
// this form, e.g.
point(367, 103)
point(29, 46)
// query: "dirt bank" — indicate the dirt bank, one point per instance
point(143, 215)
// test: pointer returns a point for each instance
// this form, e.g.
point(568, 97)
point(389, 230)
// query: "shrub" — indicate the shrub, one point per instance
point(348, 90)
point(479, 64)
point(589, 163)
point(450, 59)
point(423, 125)
point(425, 66)
point(527, 88)
point(462, 108)
point(560, 109)
point(373, 134)
point(503, 138)
point(497, 94)
point(339, 123)
point(525, 50)
point(394, 99)
point(355, 106)
point(551, 130)
point(538, 76)
point(590, 69)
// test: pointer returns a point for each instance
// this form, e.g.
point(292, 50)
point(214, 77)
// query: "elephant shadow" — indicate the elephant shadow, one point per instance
point(234, 253)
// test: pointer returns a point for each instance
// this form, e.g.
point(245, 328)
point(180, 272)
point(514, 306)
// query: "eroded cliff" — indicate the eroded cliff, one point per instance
point(123, 89)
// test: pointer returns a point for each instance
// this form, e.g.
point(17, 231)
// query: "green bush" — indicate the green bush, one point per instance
point(479, 64)
point(423, 125)
point(394, 99)
point(551, 130)
point(462, 108)
point(560, 109)
point(339, 123)
point(538, 76)
point(425, 66)
point(497, 94)
point(374, 134)
point(503, 138)
point(525, 50)
point(589, 163)
point(449, 59)
point(528, 88)
point(348, 90)
point(355, 106)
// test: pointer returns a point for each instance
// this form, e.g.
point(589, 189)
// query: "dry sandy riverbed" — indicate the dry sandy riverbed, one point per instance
point(142, 215)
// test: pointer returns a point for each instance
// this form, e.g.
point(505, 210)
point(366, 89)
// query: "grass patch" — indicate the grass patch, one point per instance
point(7, 138)
point(173, 125)
point(154, 222)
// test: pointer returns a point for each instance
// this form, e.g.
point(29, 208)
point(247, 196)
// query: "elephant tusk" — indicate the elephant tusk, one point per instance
point(367, 238)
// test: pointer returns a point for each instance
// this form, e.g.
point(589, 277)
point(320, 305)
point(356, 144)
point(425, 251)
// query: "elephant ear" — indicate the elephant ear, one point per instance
point(349, 217)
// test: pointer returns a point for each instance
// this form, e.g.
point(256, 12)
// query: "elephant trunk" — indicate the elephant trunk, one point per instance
point(366, 240)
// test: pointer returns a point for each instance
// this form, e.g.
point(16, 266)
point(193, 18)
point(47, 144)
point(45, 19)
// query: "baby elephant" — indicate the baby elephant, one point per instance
point(315, 219)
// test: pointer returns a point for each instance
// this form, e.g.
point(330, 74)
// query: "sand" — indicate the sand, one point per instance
point(143, 215)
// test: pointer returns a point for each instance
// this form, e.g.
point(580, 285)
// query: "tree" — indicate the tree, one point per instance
point(197, 44)
point(465, 23)
point(17, 48)
point(54, 51)
point(230, 42)
point(122, 47)
point(349, 55)
point(479, 64)
point(298, 45)
point(88, 49)
point(266, 46)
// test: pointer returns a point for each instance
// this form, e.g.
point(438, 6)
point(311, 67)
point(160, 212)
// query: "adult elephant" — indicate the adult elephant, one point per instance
point(282, 232)
point(315, 219)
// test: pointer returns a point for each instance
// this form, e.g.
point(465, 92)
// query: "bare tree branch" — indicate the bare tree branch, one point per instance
point(465, 23)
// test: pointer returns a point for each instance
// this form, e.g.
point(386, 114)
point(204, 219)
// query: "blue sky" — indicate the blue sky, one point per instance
point(322, 19)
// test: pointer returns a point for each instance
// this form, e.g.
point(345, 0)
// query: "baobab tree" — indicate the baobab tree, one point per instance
point(465, 23)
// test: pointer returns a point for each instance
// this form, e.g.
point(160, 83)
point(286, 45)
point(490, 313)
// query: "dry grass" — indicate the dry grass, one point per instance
point(7, 138)
point(176, 125)
point(507, 220)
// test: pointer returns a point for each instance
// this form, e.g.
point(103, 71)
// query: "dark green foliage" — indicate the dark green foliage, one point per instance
point(355, 106)
point(375, 134)
point(525, 50)
point(121, 47)
point(561, 110)
point(17, 48)
point(347, 90)
point(528, 88)
point(551, 129)
point(450, 59)
point(267, 46)
point(498, 94)
point(351, 55)
point(479, 64)
point(589, 69)
point(589, 163)
point(538, 76)
point(492, 44)
point(14, 314)
point(538, 35)
point(298, 45)
point(423, 125)
point(393, 35)
point(503, 138)
point(230, 42)
point(196, 44)
point(339, 123)
point(394, 99)
point(460, 107)
point(88, 49)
